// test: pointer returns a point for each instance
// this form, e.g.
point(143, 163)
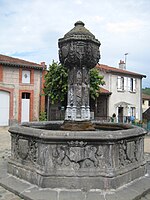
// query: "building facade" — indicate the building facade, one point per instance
point(145, 102)
point(21, 88)
point(123, 91)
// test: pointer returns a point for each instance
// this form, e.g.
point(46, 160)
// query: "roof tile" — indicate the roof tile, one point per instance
point(117, 70)
point(104, 91)
point(18, 62)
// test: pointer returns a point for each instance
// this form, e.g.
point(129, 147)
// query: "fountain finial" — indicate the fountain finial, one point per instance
point(79, 23)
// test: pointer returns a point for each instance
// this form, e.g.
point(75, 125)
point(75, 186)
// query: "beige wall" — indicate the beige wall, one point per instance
point(145, 105)
point(37, 86)
point(11, 80)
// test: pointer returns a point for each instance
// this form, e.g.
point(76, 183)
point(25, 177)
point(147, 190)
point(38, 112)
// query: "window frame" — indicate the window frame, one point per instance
point(132, 85)
point(28, 81)
point(121, 83)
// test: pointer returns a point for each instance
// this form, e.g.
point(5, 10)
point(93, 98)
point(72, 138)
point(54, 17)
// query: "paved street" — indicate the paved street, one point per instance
point(5, 152)
point(147, 144)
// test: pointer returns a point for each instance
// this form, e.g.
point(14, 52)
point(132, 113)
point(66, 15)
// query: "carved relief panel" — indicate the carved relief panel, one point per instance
point(78, 155)
point(130, 152)
point(24, 148)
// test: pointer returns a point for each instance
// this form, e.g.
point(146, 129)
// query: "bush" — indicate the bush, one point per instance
point(43, 116)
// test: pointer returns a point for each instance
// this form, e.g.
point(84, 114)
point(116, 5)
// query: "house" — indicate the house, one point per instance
point(121, 95)
point(146, 115)
point(21, 84)
point(145, 102)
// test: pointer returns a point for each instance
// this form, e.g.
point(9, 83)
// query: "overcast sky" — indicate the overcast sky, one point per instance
point(30, 29)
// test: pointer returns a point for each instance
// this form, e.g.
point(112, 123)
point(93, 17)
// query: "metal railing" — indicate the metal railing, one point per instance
point(145, 125)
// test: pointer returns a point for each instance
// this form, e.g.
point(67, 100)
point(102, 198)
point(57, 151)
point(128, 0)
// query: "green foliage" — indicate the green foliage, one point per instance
point(56, 83)
point(43, 116)
point(146, 91)
point(96, 81)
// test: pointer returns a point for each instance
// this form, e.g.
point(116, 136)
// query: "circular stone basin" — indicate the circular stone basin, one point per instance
point(57, 125)
point(107, 158)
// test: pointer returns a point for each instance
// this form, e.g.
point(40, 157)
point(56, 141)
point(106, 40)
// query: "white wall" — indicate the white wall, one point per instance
point(133, 98)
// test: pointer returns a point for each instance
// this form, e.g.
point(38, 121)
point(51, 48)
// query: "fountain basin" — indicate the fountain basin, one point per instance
point(107, 158)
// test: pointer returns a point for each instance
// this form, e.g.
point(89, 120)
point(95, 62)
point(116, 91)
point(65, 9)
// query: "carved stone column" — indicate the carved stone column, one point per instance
point(79, 52)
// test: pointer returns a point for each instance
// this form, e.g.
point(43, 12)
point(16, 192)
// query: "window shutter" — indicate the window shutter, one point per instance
point(122, 83)
point(129, 111)
point(125, 83)
point(119, 83)
point(134, 85)
point(129, 84)
point(137, 114)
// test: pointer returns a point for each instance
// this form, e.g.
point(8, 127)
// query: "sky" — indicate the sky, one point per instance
point(30, 29)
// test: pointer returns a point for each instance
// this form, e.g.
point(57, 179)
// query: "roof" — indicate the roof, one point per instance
point(118, 70)
point(7, 60)
point(104, 91)
point(145, 96)
point(146, 114)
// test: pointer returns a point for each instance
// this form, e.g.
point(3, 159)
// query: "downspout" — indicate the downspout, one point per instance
point(140, 99)
point(40, 91)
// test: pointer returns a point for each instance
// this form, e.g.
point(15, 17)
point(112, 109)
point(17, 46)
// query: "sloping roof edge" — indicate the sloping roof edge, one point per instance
point(118, 70)
point(16, 62)
point(145, 96)
point(21, 65)
point(104, 91)
point(146, 114)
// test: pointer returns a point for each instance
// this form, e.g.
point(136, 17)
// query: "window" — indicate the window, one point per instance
point(131, 84)
point(143, 102)
point(25, 95)
point(120, 85)
point(133, 111)
point(149, 103)
point(25, 76)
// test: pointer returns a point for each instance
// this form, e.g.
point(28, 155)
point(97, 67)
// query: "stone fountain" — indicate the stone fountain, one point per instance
point(77, 154)
point(79, 52)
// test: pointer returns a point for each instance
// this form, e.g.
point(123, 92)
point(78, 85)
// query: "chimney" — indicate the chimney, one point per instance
point(122, 65)
point(43, 64)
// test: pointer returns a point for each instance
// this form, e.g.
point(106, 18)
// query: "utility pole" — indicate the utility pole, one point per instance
point(125, 58)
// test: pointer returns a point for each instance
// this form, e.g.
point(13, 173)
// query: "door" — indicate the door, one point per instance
point(25, 111)
point(120, 114)
point(102, 107)
point(4, 108)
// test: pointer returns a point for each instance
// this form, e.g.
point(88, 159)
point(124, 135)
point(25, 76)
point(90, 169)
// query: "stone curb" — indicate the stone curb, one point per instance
point(132, 191)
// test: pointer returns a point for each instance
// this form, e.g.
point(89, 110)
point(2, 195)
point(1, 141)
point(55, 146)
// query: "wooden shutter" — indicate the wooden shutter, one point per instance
point(125, 83)
point(129, 84)
point(134, 85)
point(119, 83)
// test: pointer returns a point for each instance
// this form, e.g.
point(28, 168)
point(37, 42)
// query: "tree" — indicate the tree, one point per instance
point(146, 91)
point(96, 80)
point(56, 82)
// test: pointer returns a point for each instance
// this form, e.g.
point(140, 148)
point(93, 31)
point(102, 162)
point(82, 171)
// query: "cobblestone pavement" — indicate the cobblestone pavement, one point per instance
point(5, 153)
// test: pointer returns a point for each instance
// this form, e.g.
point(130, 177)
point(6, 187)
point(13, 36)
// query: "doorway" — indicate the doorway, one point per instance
point(4, 108)
point(120, 114)
point(25, 108)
